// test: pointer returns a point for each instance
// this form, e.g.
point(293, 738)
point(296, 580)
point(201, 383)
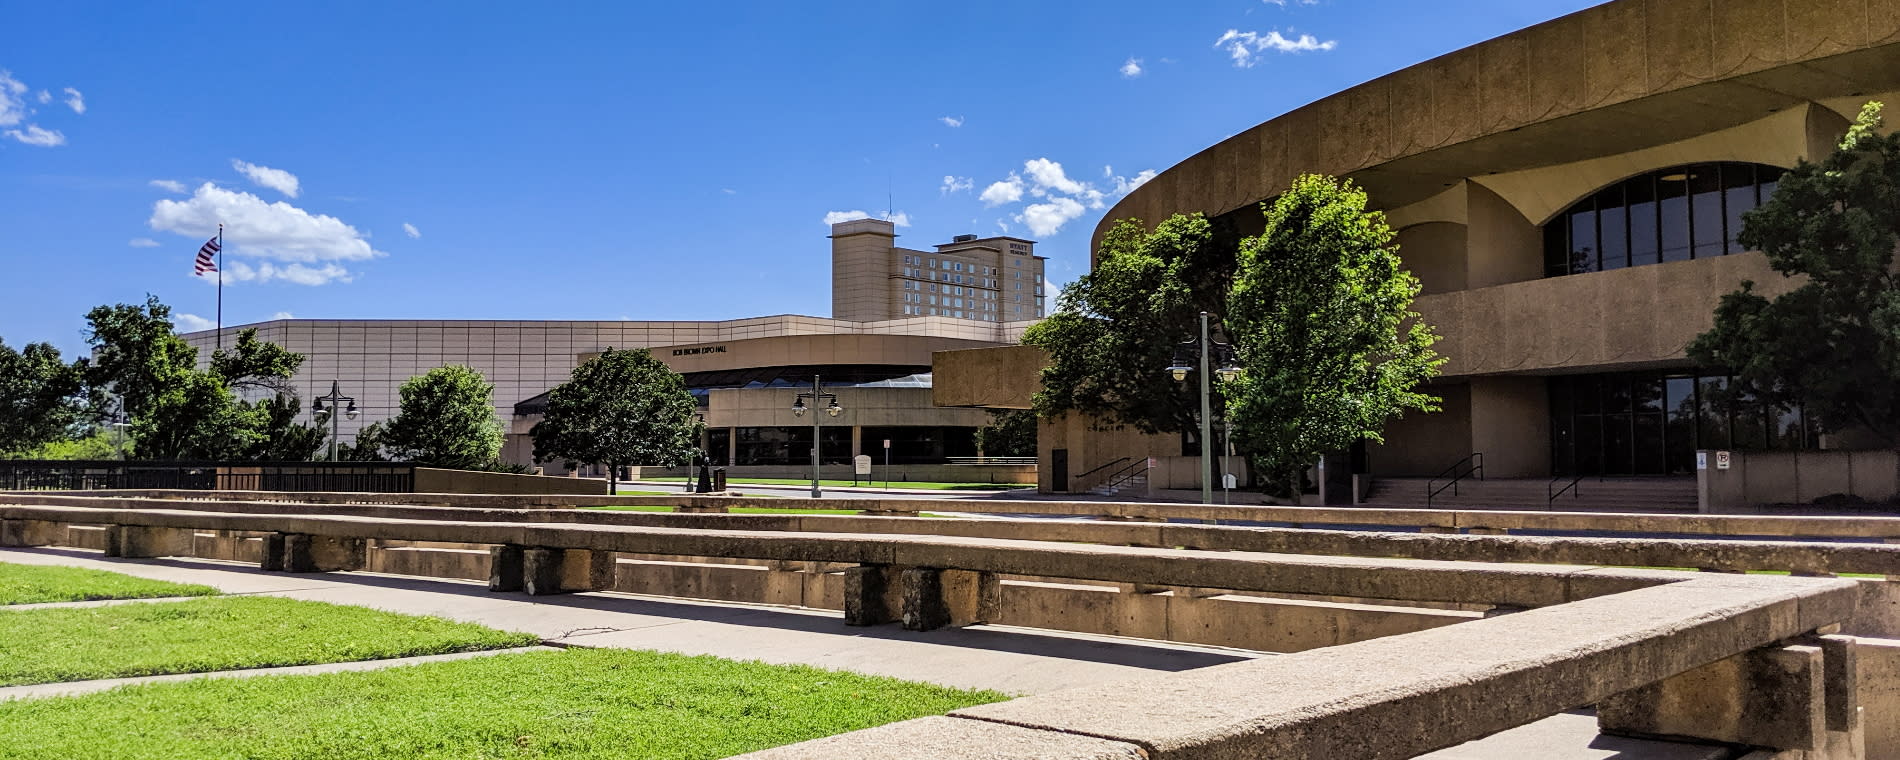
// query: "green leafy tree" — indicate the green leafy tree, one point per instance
point(1320, 314)
point(180, 412)
point(38, 397)
point(1832, 344)
point(1116, 327)
point(619, 409)
point(447, 419)
point(93, 444)
point(1011, 433)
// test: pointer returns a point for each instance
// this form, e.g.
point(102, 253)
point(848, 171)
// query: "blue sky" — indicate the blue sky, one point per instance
point(593, 160)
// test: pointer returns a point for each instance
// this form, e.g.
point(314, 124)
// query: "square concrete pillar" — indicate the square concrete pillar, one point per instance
point(146, 541)
point(562, 571)
point(870, 595)
point(933, 598)
point(114, 544)
point(303, 553)
point(504, 568)
point(1773, 697)
point(271, 557)
point(29, 533)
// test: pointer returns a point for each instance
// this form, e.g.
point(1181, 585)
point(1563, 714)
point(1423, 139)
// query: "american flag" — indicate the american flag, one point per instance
point(207, 257)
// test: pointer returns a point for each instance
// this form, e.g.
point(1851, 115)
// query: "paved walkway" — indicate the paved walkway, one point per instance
point(1012, 660)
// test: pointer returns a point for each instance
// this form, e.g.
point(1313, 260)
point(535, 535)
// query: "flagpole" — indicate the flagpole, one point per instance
point(220, 286)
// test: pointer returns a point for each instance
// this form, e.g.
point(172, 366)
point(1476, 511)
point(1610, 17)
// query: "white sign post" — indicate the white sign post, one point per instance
point(1721, 460)
point(887, 463)
point(861, 465)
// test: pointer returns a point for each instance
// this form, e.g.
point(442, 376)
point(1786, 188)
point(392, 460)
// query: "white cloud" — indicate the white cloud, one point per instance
point(191, 322)
point(12, 106)
point(142, 243)
point(168, 185)
point(74, 100)
point(411, 231)
point(301, 274)
point(312, 243)
point(1282, 3)
point(283, 315)
point(34, 135)
point(954, 184)
point(1048, 175)
point(45, 97)
point(1126, 185)
point(1132, 68)
point(264, 176)
point(1108, 170)
point(951, 121)
point(1002, 225)
point(900, 218)
point(728, 191)
point(1245, 47)
point(1045, 219)
point(1006, 191)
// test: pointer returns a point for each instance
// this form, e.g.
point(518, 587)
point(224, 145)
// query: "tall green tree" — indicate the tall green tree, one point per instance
point(1320, 313)
point(619, 409)
point(39, 397)
point(177, 411)
point(1116, 327)
point(1832, 344)
point(447, 419)
point(1011, 433)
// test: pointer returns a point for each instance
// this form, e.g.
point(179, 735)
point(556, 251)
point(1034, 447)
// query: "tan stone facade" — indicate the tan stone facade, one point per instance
point(1483, 157)
point(995, 279)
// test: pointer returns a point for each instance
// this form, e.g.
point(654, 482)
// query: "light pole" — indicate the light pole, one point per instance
point(116, 420)
point(1200, 349)
point(336, 398)
point(832, 409)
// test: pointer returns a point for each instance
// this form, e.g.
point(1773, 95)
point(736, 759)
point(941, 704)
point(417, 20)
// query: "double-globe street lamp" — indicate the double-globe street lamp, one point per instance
point(816, 396)
point(1206, 351)
point(336, 399)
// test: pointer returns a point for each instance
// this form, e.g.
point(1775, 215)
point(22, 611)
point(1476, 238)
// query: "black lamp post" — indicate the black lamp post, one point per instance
point(1200, 349)
point(336, 399)
point(832, 409)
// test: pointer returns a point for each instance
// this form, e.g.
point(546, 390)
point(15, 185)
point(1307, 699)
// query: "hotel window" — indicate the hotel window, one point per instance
point(933, 263)
point(1676, 214)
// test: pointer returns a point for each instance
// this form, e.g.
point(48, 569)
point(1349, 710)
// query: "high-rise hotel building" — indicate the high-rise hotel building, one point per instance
point(993, 279)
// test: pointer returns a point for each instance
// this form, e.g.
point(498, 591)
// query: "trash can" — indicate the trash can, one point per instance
point(719, 479)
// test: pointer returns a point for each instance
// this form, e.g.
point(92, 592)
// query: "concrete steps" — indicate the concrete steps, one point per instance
point(1135, 484)
point(1672, 494)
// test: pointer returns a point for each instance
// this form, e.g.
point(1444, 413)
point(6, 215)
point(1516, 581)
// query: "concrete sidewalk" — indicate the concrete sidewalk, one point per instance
point(1011, 660)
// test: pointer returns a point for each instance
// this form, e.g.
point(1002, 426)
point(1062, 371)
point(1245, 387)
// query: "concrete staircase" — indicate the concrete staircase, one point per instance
point(1133, 484)
point(1664, 494)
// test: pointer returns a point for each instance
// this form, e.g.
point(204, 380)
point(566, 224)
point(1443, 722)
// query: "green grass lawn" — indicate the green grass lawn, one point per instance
point(577, 704)
point(863, 484)
point(223, 633)
point(38, 584)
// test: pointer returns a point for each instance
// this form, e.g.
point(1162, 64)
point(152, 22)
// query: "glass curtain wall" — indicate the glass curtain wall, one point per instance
point(1652, 423)
point(1675, 214)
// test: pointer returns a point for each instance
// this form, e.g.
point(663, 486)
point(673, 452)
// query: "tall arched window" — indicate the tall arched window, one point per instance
point(1675, 214)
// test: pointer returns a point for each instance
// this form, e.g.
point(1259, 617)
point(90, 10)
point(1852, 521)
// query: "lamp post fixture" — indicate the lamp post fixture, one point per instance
point(117, 421)
point(816, 396)
point(336, 399)
point(1200, 349)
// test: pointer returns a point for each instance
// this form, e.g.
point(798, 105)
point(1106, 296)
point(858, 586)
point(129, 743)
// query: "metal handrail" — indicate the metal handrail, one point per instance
point(1111, 463)
point(1432, 489)
point(1124, 474)
point(1552, 491)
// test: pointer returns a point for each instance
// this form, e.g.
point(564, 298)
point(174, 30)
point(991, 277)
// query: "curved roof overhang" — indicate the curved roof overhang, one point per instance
point(1619, 77)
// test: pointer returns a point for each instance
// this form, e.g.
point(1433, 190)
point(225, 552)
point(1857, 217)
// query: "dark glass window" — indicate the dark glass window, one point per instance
point(1673, 214)
point(1613, 228)
point(1652, 423)
point(1641, 194)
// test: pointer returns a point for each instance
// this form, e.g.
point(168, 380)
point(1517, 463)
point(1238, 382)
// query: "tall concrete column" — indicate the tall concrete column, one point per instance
point(1510, 423)
point(857, 440)
point(732, 446)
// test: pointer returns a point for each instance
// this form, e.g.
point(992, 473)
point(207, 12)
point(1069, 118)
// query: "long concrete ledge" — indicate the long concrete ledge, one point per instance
point(1389, 698)
point(1702, 554)
point(1522, 585)
point(1850, 527)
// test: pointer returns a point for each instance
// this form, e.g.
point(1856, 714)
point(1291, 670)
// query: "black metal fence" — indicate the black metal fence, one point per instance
point(78, 475)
